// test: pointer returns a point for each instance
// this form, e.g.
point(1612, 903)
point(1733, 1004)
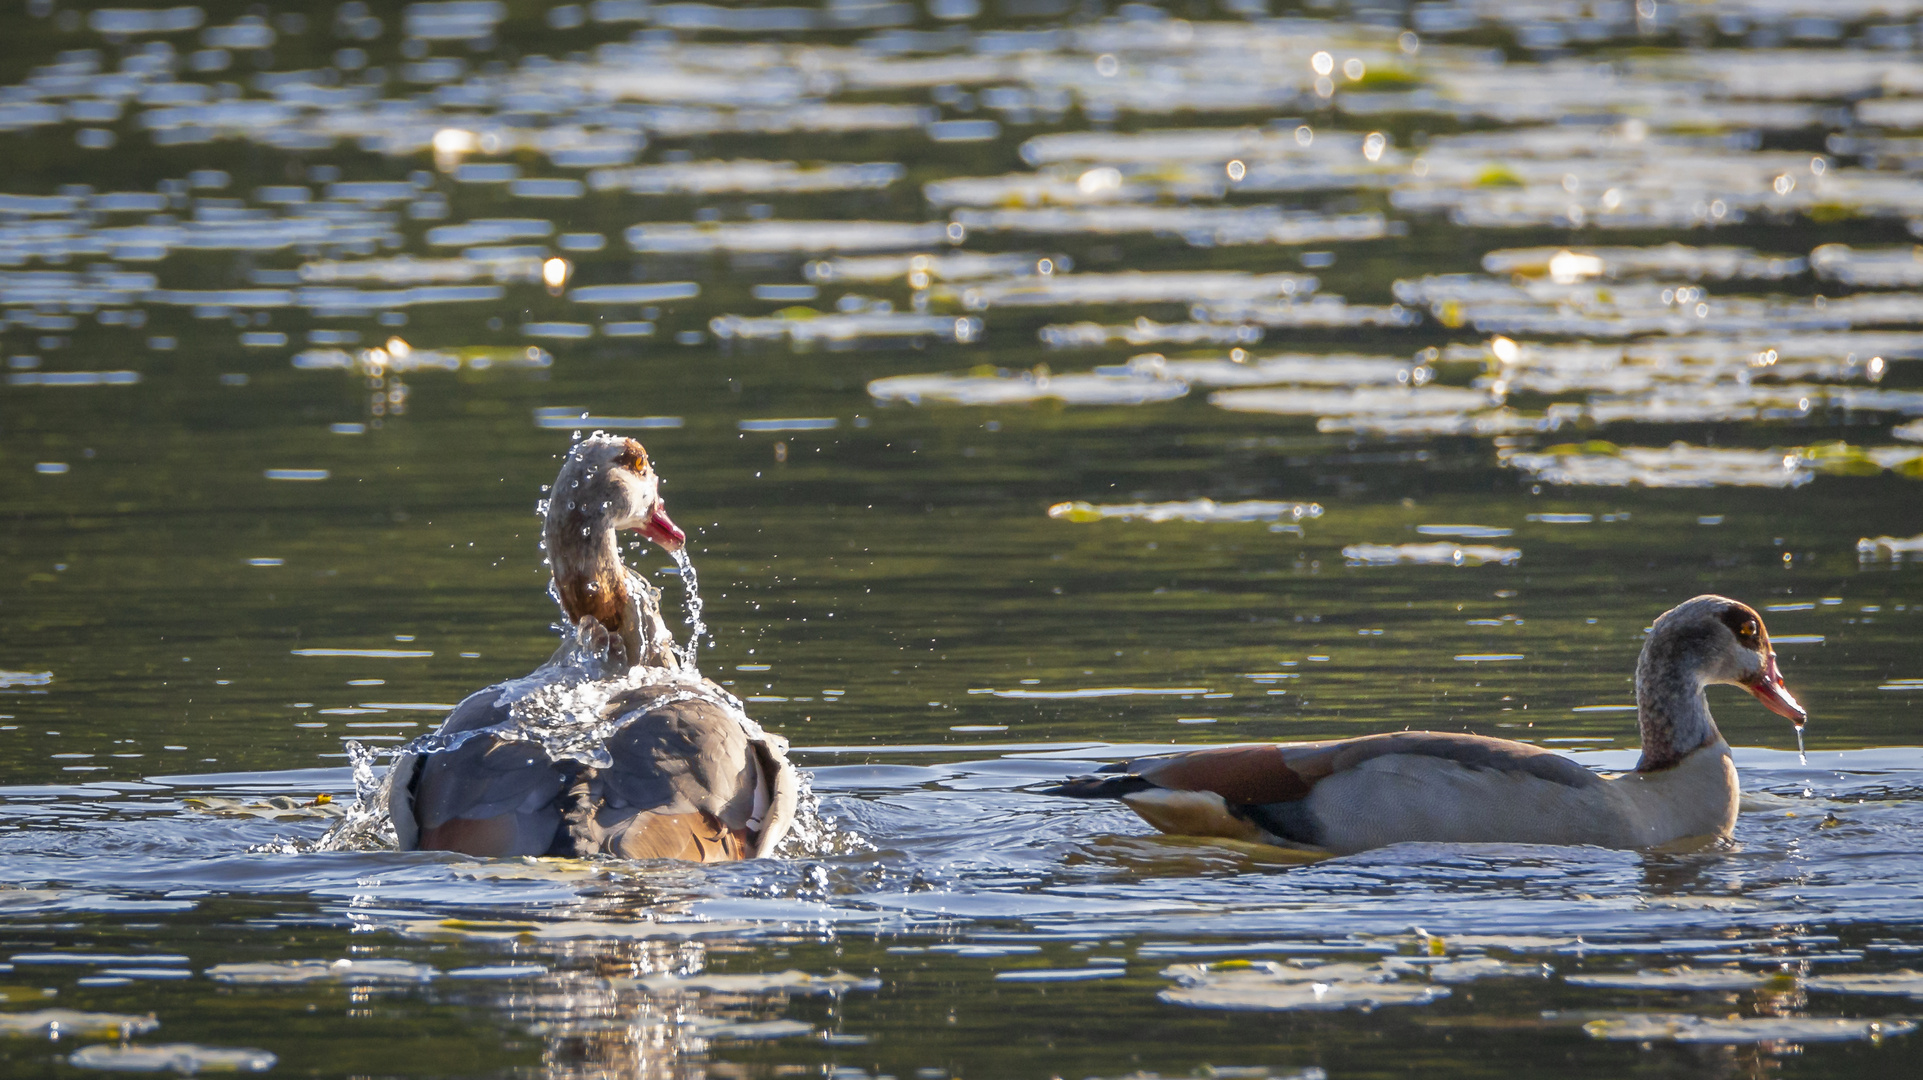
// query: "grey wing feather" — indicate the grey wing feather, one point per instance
point(485, 777)
point(683, 757)
point(693, 755)
point(1470, 751)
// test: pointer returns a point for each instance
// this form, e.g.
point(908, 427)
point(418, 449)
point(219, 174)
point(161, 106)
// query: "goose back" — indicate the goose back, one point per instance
point(684, 778)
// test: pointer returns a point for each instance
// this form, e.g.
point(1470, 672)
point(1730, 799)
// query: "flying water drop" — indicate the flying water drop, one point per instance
point(696, 627)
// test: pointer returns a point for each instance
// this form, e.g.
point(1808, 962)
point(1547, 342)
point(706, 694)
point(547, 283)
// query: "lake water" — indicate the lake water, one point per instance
point(1039, 384)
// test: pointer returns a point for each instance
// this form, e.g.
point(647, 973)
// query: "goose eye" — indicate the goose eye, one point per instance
point(1748, 633)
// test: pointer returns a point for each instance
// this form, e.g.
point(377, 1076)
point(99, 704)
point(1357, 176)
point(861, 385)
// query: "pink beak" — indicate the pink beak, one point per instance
point(1769, 689)
point(661, 530)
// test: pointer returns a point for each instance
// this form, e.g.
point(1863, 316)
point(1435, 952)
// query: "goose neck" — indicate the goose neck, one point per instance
point(591, 581)
point(1671, 711)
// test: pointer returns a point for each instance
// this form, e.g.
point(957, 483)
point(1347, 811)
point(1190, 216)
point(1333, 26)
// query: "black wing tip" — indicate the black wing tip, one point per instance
point(1099, 787)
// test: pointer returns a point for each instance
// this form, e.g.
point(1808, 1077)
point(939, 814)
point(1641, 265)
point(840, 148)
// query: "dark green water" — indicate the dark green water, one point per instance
point(159, 587)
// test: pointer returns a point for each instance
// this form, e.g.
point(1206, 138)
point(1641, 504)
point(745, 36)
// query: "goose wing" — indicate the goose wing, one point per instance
point(687, 779)
point(1265, 793)
point(487, 796)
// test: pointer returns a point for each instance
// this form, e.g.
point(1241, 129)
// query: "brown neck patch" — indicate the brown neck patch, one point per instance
point(588, 576)
point(602, 594)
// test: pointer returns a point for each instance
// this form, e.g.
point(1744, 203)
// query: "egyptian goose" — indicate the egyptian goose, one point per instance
point(651, 760)
point(1350, 795)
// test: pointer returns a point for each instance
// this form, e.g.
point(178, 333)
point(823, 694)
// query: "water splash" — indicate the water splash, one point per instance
point(813, 836)
point(366, 825)
point(697, 629)
point(569, 707)
point(1801, 756)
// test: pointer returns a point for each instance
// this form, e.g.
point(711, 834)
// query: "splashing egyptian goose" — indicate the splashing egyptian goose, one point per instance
point(614, 746)
point(1354, 794)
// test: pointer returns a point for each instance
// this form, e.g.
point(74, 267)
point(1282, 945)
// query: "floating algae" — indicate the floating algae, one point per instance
point(1870, 549)
point(1198, 510)
point(1673, 1027)
point(1271, 986)
point(1680, 465)
point(1242, 369)
point(70, 1023)
point(183, 1059)
point(785, 236)
point(1325, 311)
point(1146, 331)
point(745, 176)
point(805, 326)
point(1198, 226)
point(1357, 401)
point(1674, 979)
point(1060, 975)
point(351, 972)
point(788, 982)
point(1133, 287)
point(1901, 983)
point(1436, 554)
point(1665, 261)
point(942, 266)
point(1023, 387)
point(1868, 267)
point(1489, 422)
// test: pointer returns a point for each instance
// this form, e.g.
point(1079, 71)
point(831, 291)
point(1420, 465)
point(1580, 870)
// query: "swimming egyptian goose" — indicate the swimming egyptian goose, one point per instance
point(1350, 795)
point(651, 760)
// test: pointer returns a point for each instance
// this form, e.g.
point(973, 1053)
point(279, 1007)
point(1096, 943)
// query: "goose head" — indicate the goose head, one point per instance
point(606, 484)
point(1720, 640)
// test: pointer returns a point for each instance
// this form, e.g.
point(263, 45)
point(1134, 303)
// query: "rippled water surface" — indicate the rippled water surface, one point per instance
point(1040, 384)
